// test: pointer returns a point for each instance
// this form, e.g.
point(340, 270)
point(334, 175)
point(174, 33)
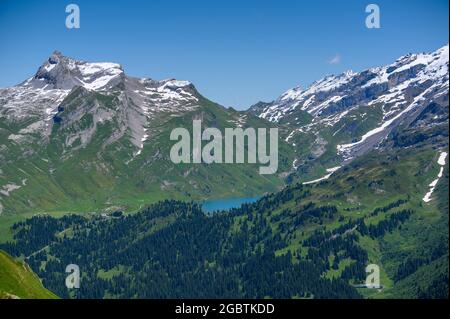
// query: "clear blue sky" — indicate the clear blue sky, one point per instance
point(235, 52)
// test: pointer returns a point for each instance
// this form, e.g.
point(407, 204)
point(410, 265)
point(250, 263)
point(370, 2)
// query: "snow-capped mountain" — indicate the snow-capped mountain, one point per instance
point(81, 131)
point(37, 100)
point(392, 95)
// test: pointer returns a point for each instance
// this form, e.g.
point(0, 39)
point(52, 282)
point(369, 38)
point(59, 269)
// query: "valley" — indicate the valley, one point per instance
point(362, 179)
point(378, 216)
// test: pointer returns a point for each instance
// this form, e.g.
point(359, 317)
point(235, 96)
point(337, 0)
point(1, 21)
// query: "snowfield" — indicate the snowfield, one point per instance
point(330, 172)
point(441, 161)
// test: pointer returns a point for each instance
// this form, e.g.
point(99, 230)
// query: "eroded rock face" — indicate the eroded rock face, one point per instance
point(41, 102)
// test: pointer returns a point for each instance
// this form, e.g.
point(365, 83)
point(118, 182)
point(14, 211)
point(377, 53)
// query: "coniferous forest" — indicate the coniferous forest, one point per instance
point(173, 249)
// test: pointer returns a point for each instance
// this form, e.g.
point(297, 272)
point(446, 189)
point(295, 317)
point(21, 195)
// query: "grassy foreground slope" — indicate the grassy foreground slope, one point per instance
point(17, 281)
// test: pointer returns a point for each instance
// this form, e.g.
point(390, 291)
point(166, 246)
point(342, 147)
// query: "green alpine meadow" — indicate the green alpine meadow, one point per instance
point(18, 281)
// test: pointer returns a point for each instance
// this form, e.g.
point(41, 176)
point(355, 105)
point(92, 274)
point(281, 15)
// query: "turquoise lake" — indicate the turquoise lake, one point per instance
point(213, 205)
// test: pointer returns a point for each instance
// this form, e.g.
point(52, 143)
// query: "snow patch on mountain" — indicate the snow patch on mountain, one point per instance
point(441, 161)
point(330, 172)
point(345, 149)
point(9, 188)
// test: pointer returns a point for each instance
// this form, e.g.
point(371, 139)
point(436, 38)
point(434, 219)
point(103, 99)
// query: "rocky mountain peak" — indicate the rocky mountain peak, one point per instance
point(335, 93)
point(137, 100)
point(360, 110)
point(61, 72)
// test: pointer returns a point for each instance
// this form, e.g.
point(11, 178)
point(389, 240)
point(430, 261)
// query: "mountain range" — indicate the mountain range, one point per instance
point(74, 116)
point(83, 136)
point(363, 179)
point(341, 117)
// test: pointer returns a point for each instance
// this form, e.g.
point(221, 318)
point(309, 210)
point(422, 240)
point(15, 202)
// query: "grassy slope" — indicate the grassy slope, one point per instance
point(375, 180)
point(316, 146)
point(57, 178)
point(18, 281)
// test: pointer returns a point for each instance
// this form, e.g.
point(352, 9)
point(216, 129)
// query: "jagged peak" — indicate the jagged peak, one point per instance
point(57, 53)
point(62, 72)
point(176, 83)
point(331, 90)
point(324, 84)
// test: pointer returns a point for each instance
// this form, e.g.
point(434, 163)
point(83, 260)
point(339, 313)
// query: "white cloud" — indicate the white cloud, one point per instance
point(335, 60)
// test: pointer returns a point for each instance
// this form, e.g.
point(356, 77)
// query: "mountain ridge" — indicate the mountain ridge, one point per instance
point(79, 132)
point(386, 205)
point(343, 116)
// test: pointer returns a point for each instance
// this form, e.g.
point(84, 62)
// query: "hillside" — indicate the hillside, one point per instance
point(341, 117)
point(80, 136)
point(17, 280)
point(306, 241)
point(363, 179)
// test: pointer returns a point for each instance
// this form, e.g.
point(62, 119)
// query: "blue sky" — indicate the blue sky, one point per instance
point(235, 52)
